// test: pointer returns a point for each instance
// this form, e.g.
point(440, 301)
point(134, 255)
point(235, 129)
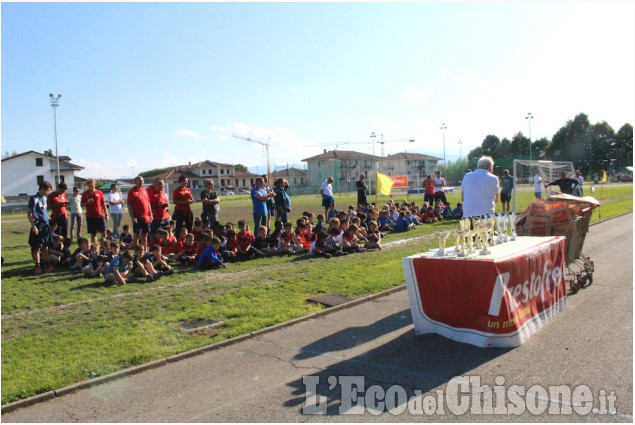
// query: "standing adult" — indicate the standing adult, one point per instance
point(439, 193)
point(182, 198)
point(57, 202)
point(507, 185)
point(282, 200)
point(538, 185)
point(362, 190)
point(75, 202)
point(259, 198)
point(96, 213)
point(326, 189)
point(480, 189)
point(271, 206)
point(578, 190)
point(567, 185)
point(428, 188)
point(158, 206)
point(140, 213)
point(211, 204)
point(115, 206)
point(40, 237)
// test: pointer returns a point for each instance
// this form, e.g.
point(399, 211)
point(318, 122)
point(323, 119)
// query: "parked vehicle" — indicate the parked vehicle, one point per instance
point(226, 192)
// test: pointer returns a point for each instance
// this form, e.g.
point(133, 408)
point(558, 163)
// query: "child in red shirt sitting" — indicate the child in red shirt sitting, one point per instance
point(187, 254)
point(245, 241)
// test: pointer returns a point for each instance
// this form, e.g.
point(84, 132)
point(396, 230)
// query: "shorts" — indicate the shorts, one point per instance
point(156, 224)
point(140, 227)
point(506, 197)
point(538, 195)
point(327, 201)
point(96, 225)
point(43, 238)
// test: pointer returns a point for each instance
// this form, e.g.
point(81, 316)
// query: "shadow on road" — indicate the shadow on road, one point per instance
point(414, 362)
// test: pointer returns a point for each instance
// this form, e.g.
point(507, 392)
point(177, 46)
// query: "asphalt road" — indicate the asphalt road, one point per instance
point(263, 379)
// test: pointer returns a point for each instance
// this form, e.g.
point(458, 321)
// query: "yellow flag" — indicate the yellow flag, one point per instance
point(603, 176)
point(384, 184)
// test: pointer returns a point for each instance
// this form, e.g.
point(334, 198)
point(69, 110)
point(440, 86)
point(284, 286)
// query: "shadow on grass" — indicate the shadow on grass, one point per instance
point(414, 362)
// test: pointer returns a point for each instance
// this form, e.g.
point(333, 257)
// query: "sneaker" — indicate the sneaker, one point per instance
point(38, 270)
point(131, 279)
point(168, 272)
point(149, 278)
point(157, 275)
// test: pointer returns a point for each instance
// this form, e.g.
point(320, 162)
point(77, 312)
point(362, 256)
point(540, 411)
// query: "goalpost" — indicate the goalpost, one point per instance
point(524, 171)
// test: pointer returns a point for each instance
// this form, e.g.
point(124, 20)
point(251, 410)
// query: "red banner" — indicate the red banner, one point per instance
point(488, 302)
point(399, 181)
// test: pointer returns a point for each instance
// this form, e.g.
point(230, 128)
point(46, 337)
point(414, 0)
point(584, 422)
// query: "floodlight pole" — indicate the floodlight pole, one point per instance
point(443, 128)
point(529, 117)
point(55, 102)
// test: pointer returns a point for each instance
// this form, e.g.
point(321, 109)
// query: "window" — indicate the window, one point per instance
point(222, 171)
point(61, 178)
point(40, 179)
point(203, 171)
point(39, 162)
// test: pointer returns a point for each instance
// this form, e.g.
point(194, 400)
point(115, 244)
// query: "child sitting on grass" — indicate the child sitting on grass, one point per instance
point(159, 261)
point(118, 270)
point(262, 244)
point(331, 244)
point(96, 263)
point(230, 251)
point(244, 241)
point(287, 241)
point(211, 258)
point(142, 267)
point(187, 254)
point(79, 258)
point(125, 239)
point(373, 237)
point(350, 242)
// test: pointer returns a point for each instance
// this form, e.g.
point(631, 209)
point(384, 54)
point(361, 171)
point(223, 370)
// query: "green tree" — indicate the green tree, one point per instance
point(623, 144)
point(241, 167)
point(520, 145)
point(475, 153)
point(490, 144)
point(539, 148)
point(504, 149)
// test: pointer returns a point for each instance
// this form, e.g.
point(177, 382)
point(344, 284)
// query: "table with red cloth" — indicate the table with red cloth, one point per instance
point(494, 300)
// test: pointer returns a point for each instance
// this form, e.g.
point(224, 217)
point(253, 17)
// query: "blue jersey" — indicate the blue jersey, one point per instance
point(209, 257)
point(260, 207)
point(37, 205)
point(401, 225)
point(117, 262)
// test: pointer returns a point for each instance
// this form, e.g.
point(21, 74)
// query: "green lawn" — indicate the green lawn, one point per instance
point(59, 328)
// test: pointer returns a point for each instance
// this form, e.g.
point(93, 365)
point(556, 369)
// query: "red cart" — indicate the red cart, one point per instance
point(563, 215)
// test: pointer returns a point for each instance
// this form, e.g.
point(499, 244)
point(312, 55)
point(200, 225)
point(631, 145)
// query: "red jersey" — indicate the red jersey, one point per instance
point(53, 198)
point(429, 186)
point(308, 240)
point(157, 199)
point(140, 203)
point(200, 247)
point(244, 239)
point(231, 244)
point(284, 238)
point(168, 246)
point(182, 194)
point(189, 249)
point(94, 209)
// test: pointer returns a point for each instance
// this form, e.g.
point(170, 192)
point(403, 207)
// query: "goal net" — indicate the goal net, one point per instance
point(525, 170)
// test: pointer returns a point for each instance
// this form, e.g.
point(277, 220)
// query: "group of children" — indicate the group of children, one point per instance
point(213, 246)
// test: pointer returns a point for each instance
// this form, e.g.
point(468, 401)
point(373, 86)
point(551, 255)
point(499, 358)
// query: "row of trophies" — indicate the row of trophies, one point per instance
point(477, 234)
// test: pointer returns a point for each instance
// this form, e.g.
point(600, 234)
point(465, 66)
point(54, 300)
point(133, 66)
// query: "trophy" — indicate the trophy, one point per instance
point(462, 234)
point(499, 229)
point(458, 240)
point(442, 236)
point(470, 240)
point(504, 220)
point(484, 230)
point(492, 229)
point(512, 225)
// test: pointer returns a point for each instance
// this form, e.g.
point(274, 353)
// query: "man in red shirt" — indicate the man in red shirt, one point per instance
point(96, 213)
point(139, 209)
point(158, 205)
point(182, 198)
point(57, 202)
point(428, 185)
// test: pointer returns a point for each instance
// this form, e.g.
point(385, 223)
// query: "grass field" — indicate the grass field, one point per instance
point(59, 328)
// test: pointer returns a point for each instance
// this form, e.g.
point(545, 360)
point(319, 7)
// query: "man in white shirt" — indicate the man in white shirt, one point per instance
point(578, 190)
point(538, 185)
point(439, 193)
point(115, 202)
point(480, 189)
point(327, 194)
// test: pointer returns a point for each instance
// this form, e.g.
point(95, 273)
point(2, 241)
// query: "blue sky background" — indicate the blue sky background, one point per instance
point(152, 85)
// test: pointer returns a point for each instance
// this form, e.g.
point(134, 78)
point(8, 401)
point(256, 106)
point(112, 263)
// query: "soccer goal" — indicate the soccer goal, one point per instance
point(525, 170)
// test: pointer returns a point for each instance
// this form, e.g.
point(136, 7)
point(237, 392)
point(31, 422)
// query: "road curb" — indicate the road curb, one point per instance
point(187, 354)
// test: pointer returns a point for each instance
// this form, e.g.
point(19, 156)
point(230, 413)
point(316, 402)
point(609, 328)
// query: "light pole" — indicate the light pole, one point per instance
point(460, 142)
point(443, 127)
point(55, 102)
point(372, 137)
point(529, 117)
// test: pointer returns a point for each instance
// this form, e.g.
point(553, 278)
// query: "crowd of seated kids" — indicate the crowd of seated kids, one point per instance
point(213, 246)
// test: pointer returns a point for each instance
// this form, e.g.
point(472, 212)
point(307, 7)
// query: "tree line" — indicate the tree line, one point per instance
point(591, 147)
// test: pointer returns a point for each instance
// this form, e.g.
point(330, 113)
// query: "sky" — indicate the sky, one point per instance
point(148, 85)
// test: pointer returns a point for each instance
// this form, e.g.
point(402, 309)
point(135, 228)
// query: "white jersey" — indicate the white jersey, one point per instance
point(537, 183)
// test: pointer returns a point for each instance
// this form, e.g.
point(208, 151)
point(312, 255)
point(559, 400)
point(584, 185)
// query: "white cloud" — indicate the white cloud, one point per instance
point(285, 145)
point(416, 95)
point(189, 134)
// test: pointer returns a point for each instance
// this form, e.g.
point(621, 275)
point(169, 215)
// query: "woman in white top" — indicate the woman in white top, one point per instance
point(115, 200)
point(75, 202)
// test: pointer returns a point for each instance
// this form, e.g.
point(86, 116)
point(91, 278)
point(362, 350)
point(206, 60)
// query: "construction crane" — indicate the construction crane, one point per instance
point(266, 145)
